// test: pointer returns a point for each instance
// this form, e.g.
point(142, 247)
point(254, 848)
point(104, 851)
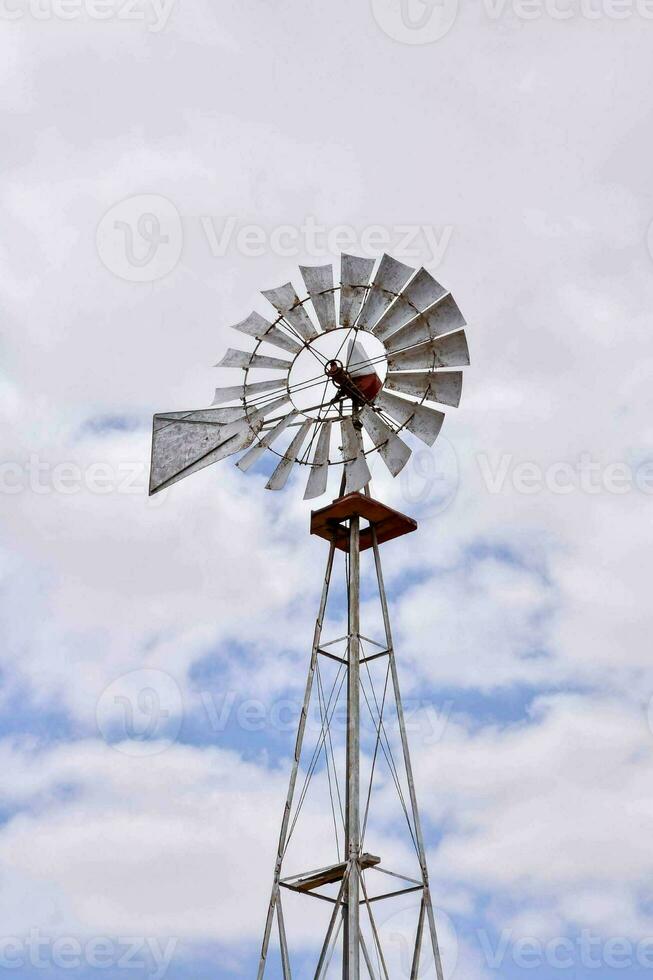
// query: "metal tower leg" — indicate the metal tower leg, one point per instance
point(283, 835)
point(409, 769)
point(351, 950)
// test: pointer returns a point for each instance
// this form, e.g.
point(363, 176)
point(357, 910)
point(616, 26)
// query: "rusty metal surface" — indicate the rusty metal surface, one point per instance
point(355, 273)
point(318, 280)
point(422, 421)
point(319, 475)
point(390, 278)
point(261, 329)
point(286, 301)
point(420, 293)
point(448, 351)
point(444, 387)
point(233, 392)
point(391, 448)
point(245, 359)
point(443, 317)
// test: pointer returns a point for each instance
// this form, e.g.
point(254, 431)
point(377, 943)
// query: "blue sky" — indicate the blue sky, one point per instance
point(154, 648)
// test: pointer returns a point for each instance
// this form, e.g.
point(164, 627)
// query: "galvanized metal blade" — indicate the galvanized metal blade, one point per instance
point(257, 326)
point(286, 301)
point(185, 445)
point(390, 278)
point(357, 473)
point(243, 392)
point(444, 387)
point(420, 293)
point(215, 416)
point(247, 461)
point(280, 476)
point(358, 362)
point(318, 280)
point(319, 475)
point(355, 275)
point(448, 351)
point(443, 317)
point(391, 448)
point(422, 421)
point(244, 359)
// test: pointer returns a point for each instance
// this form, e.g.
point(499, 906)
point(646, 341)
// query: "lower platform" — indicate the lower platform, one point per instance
point(330, 522)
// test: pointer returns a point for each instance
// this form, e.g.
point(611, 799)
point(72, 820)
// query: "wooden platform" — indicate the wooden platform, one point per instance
point(330, 521)
point(326, 876)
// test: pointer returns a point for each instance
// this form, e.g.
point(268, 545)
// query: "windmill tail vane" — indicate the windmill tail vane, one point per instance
point(368, 365)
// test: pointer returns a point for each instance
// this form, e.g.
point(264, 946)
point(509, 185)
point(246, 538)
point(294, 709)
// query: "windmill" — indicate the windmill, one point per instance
point(326, 385)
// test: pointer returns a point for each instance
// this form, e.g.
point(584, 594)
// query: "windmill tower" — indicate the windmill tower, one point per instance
point(355, 378)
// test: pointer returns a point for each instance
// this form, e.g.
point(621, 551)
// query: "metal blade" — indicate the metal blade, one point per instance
point(439, 386)
point(244, 392)
point(257, 326)
point(251, 456)
point(319, 475)
point(287, 302)
point(355, 275)
point(422, 421)
point(318, 280)
point(243, 359)
point(443, 317)
point(393, 451)
point(280, 476)
point(420, 293)
point(214, 416)
point(357, 473)
point(389, 280)
point(184, 446)
point(448, 351)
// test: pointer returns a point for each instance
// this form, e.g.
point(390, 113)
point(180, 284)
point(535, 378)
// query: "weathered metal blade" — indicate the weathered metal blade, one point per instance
point(438, 386)
point(390, 278)
point(393, 451)
point(182, 446)
point(422, 421)
point(443, 317)
point(243, 359)
point(243, 392)
point(318, 280)
point(319, 475)
point(280, 476)
point(214, 416)
point(287, 302)
point(357, 473)
point(355, 275)
point(257, 326)
point(247, 461)
point(448, 351)
point(421, 292)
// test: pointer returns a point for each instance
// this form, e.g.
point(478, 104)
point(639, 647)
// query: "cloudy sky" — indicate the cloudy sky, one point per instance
point(163, 161)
